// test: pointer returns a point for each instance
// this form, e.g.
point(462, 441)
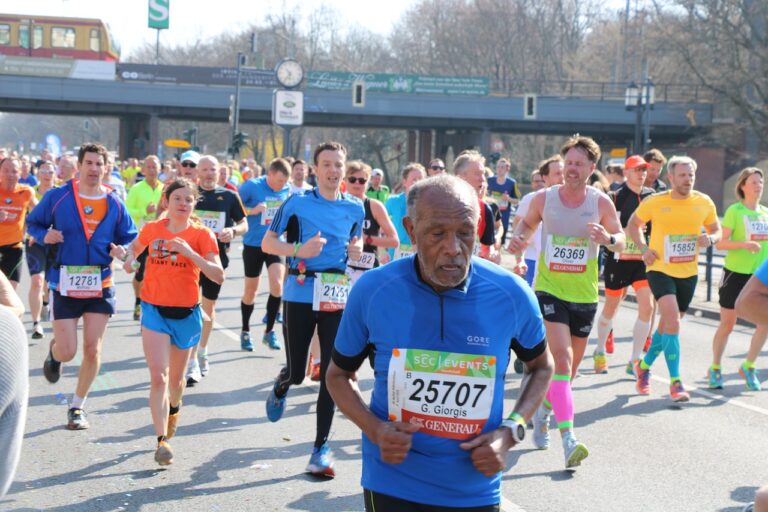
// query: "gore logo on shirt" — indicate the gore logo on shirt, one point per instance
point(479, 341)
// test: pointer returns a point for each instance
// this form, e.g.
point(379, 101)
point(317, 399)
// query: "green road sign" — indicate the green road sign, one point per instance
point(159, 14)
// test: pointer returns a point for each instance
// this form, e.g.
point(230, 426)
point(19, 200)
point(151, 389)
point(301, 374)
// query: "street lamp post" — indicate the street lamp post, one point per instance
point(641, 100)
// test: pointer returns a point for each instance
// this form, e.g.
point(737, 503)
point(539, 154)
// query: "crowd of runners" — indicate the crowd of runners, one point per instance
point(333, 239)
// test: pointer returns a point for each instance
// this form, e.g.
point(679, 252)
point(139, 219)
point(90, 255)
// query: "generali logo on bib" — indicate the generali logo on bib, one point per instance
point(478, 341)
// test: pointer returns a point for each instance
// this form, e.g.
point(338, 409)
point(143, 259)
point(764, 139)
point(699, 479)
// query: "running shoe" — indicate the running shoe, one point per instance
point(609, 344)
point(205, 365)
point(193, 372)
point(173, 422)
point(541, 427)
point(630, 369)
point(278, 319)
point(643, 384)
point(321, 462)
point(314, 373)
point(601, 362)
point(245, 341)
point(749, 508)
point(270, 340)
point(163, 454)
point(76, 419)
point(37, 331)
point(575, 452)
point(647, 345)
point(275, 406)
point(519, 366)
point(51, 367)
point(137, 312)
point(750, 378)
point(678, 392)
point(715, 378)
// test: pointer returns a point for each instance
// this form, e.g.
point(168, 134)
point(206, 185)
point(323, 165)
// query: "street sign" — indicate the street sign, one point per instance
point(177, 143)
point(288, 108)
point(159, 14)
point(618, 153)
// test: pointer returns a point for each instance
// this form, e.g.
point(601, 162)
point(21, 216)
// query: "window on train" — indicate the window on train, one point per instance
point(95, 40)
point(37, 37)
point(5, 34)
point(63, 37)
point(24, 36)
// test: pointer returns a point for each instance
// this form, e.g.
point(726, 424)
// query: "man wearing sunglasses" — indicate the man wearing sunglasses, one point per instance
point(435, 167)
point(188, 162)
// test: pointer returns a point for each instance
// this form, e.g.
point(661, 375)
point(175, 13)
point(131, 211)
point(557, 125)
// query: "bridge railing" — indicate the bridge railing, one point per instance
point(602, 91)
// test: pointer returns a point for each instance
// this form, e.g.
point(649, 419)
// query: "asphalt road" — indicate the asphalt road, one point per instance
point(646, 453)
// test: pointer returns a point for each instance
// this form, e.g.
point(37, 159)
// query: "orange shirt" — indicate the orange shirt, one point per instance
point(169, 278)
point(16, 205)
point(94, 211)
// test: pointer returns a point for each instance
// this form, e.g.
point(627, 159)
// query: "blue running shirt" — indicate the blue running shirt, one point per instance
point(450, 340)
point(256, 191)
point(302, 216)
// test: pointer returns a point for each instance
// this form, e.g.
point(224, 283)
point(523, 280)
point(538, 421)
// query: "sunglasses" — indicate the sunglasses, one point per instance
point(188, 164)
point(354, 180)
point(437, 168)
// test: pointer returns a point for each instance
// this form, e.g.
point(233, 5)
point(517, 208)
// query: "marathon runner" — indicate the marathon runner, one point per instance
point(324, 229)
point(220, 210)
point(16, 199)
point(624, 269)
point(550, 172)
point(504, 192)
point(37, 256)
point(298, 185)
point(179, 250)
point(378, 231)
point(656, 161)
point(470, 166)
point(417, 456)
point(143, 204)
point(262, 198)
point(745, 237)
point(672, 262)
point(575, 219)
point(396, 208)
point(87, 227)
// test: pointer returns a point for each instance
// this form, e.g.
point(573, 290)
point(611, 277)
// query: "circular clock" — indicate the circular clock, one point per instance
point(289, 73)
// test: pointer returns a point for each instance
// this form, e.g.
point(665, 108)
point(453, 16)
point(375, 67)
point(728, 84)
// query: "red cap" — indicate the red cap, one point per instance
point(634, 162)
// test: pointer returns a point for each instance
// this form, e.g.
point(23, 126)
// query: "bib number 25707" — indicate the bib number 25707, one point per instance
point(448, 394)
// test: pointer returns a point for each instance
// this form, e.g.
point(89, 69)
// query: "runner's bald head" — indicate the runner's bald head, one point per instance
point(441, 191)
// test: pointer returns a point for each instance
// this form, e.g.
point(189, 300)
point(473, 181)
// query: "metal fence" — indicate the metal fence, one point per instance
point(602, 91)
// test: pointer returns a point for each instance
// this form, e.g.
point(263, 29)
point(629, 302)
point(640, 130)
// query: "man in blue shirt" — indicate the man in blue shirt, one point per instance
point(433, 434)
point(323, 228)
point(262, 197)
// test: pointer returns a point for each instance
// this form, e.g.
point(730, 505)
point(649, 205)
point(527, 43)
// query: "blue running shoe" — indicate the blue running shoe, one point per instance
point(270, 340)
point(750, 377)
point(275, 406)
point(278, 320)
point(245, 341)
point(321, 462)
point(715, 378)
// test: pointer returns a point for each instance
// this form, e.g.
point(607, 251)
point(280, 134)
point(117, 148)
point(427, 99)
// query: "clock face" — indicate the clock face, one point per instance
point(289, 73)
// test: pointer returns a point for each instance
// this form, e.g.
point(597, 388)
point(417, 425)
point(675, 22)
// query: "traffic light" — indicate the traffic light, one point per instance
point(239, 141)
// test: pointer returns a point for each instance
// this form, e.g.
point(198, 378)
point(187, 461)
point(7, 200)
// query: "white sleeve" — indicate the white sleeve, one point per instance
point(14, 389)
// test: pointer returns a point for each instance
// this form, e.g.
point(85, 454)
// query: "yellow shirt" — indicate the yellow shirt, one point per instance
point(677, 225)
